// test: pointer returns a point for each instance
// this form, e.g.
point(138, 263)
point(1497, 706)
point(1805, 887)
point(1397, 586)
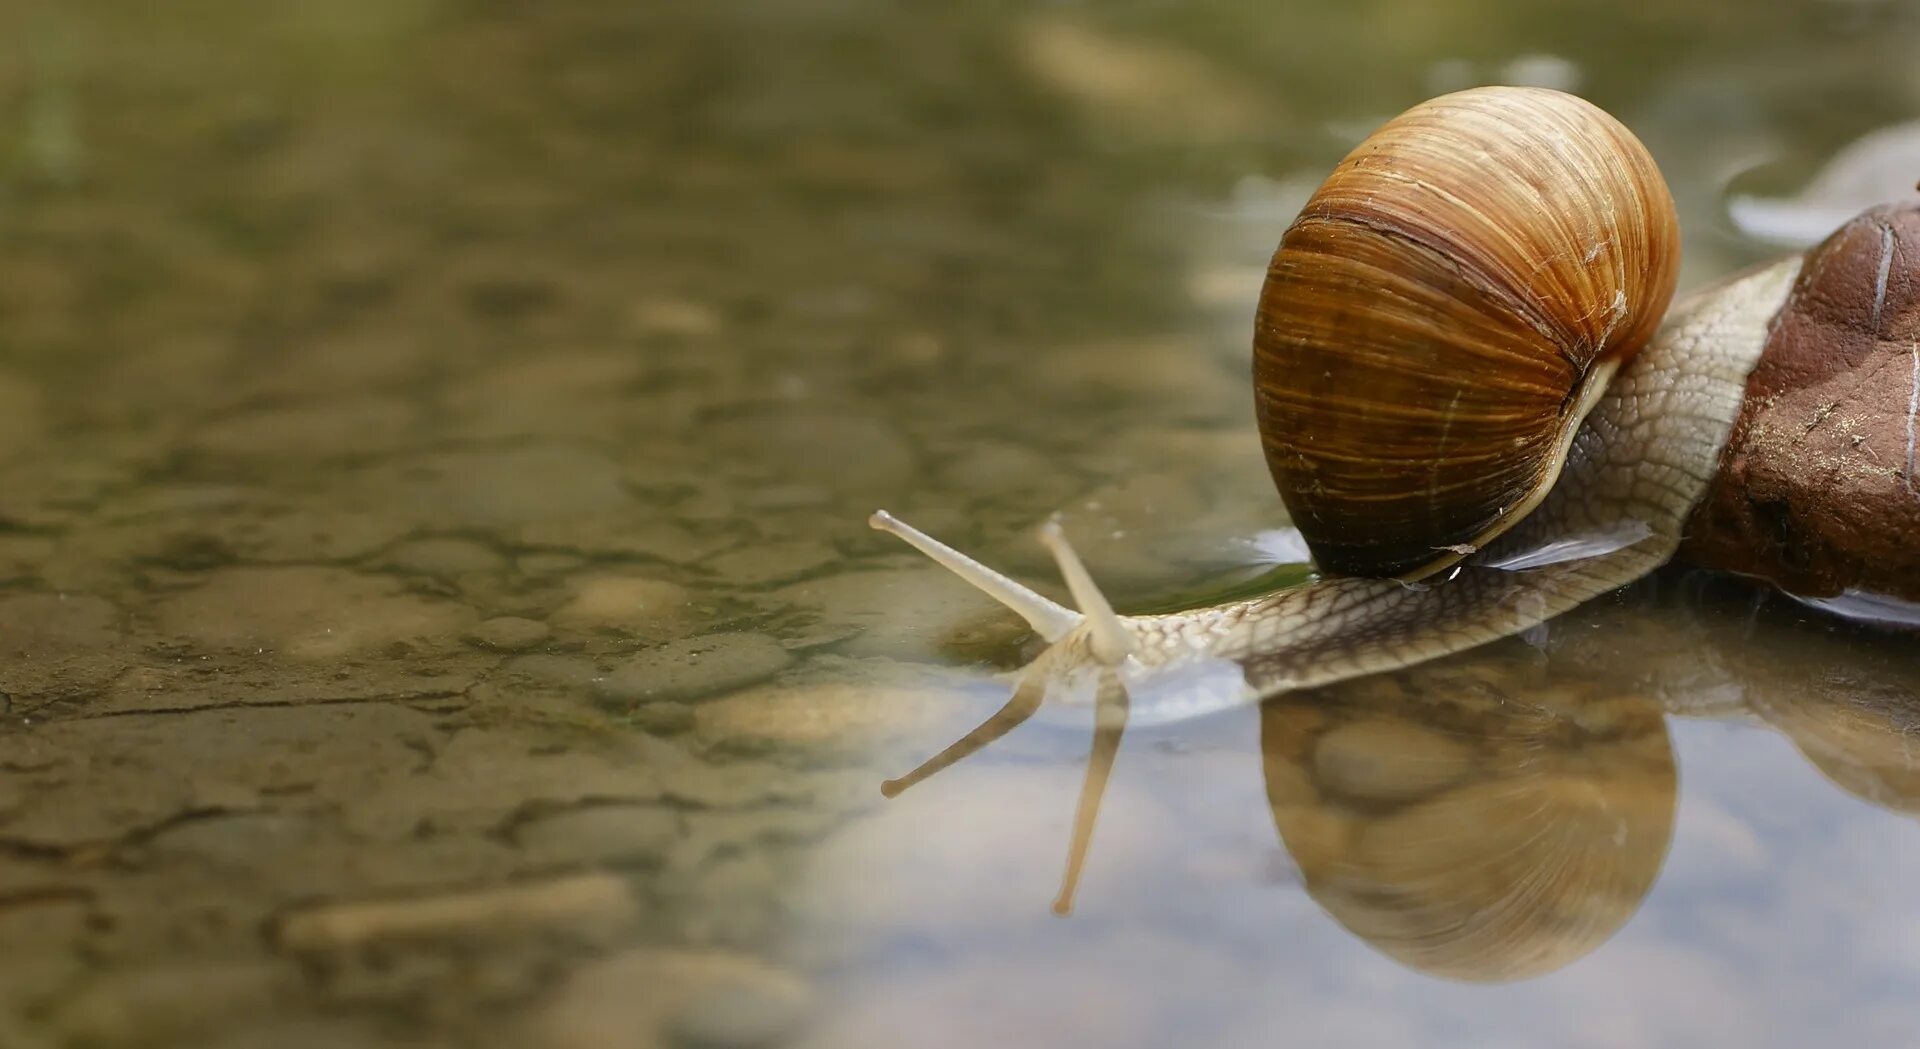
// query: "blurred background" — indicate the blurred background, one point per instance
point(435, 600)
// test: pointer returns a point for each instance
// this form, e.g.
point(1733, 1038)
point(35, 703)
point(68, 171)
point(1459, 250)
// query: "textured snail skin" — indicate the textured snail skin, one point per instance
point(1442, 314)
point(1643, 458)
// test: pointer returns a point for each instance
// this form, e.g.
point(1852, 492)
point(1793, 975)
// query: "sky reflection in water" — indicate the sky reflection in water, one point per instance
point(1511, 818)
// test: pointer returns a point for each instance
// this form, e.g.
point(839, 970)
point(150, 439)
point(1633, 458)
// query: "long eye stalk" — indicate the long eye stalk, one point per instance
point(1049, 620)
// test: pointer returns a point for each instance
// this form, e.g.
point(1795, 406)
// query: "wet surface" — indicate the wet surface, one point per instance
point(436, 607)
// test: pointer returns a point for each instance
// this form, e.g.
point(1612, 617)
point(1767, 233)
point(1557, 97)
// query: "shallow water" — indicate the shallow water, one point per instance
point(436, 607)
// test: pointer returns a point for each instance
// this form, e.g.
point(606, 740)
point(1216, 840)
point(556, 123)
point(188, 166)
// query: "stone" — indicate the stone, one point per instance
point(786, 497)
point(583, 393)
point(403, 672)
point(597, 904)
point(1388, 761)
point(313, 531)
point(642, 998)
point(547, 565)
point(493, 489)
point(21, 415)
point(694, 667)
point(24, 555)
point(904, 613)
point(828, 718)
point(767, 563)
point(236, 841)
point(843, 451)
point(56, 642)
point(45, 927)
point(343, 428)
point(508, 634)
point(617, 834)
point(488, 776)
point(624, 604)
point(14, 1033)
point(1140, 86)
point(568, 672)
point(1167, 370)
point(1001, 467)
point(309, 613)
point(446, 557)
point(1819, 487)
point(665, 718)
point(639, 532)
point(739, 1014)
point(681, 317)
point(171, 1003)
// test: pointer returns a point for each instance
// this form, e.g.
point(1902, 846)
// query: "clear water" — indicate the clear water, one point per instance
point(436, 607)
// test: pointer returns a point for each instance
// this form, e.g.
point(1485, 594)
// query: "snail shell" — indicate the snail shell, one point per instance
point(1443, 314)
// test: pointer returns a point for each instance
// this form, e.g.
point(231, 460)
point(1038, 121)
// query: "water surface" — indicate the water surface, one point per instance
point(436, 607)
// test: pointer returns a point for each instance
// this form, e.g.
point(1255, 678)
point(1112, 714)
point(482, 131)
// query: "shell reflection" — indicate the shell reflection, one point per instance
point(1861, 735)
point(1467, 832)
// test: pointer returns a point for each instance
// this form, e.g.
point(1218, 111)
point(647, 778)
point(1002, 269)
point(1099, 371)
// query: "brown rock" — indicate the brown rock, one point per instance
point(1817, 490)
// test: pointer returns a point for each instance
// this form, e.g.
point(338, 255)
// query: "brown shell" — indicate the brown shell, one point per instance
point(1438, 320)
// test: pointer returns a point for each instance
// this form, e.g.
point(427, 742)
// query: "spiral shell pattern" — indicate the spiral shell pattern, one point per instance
point(1442, 315)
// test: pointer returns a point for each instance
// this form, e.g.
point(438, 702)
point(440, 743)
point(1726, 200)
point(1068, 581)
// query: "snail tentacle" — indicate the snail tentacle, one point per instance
point(1110, 723)
point(1111, 642)
point(1026, 699)
point(1049, 620)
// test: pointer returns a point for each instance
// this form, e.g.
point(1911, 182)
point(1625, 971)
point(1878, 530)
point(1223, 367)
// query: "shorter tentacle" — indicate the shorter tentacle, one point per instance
point(1111, 642)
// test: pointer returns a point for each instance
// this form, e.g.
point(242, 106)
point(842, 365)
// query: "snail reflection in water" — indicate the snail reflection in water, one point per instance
point(1469, 830)
point(1500, 814)
point(1470, 404)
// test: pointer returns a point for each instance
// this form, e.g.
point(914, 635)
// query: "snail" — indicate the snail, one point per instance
point(1475, 403)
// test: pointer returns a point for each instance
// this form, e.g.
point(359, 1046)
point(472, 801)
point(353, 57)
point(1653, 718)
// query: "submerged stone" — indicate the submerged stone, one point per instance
point(694, 667)
point(508, 633)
